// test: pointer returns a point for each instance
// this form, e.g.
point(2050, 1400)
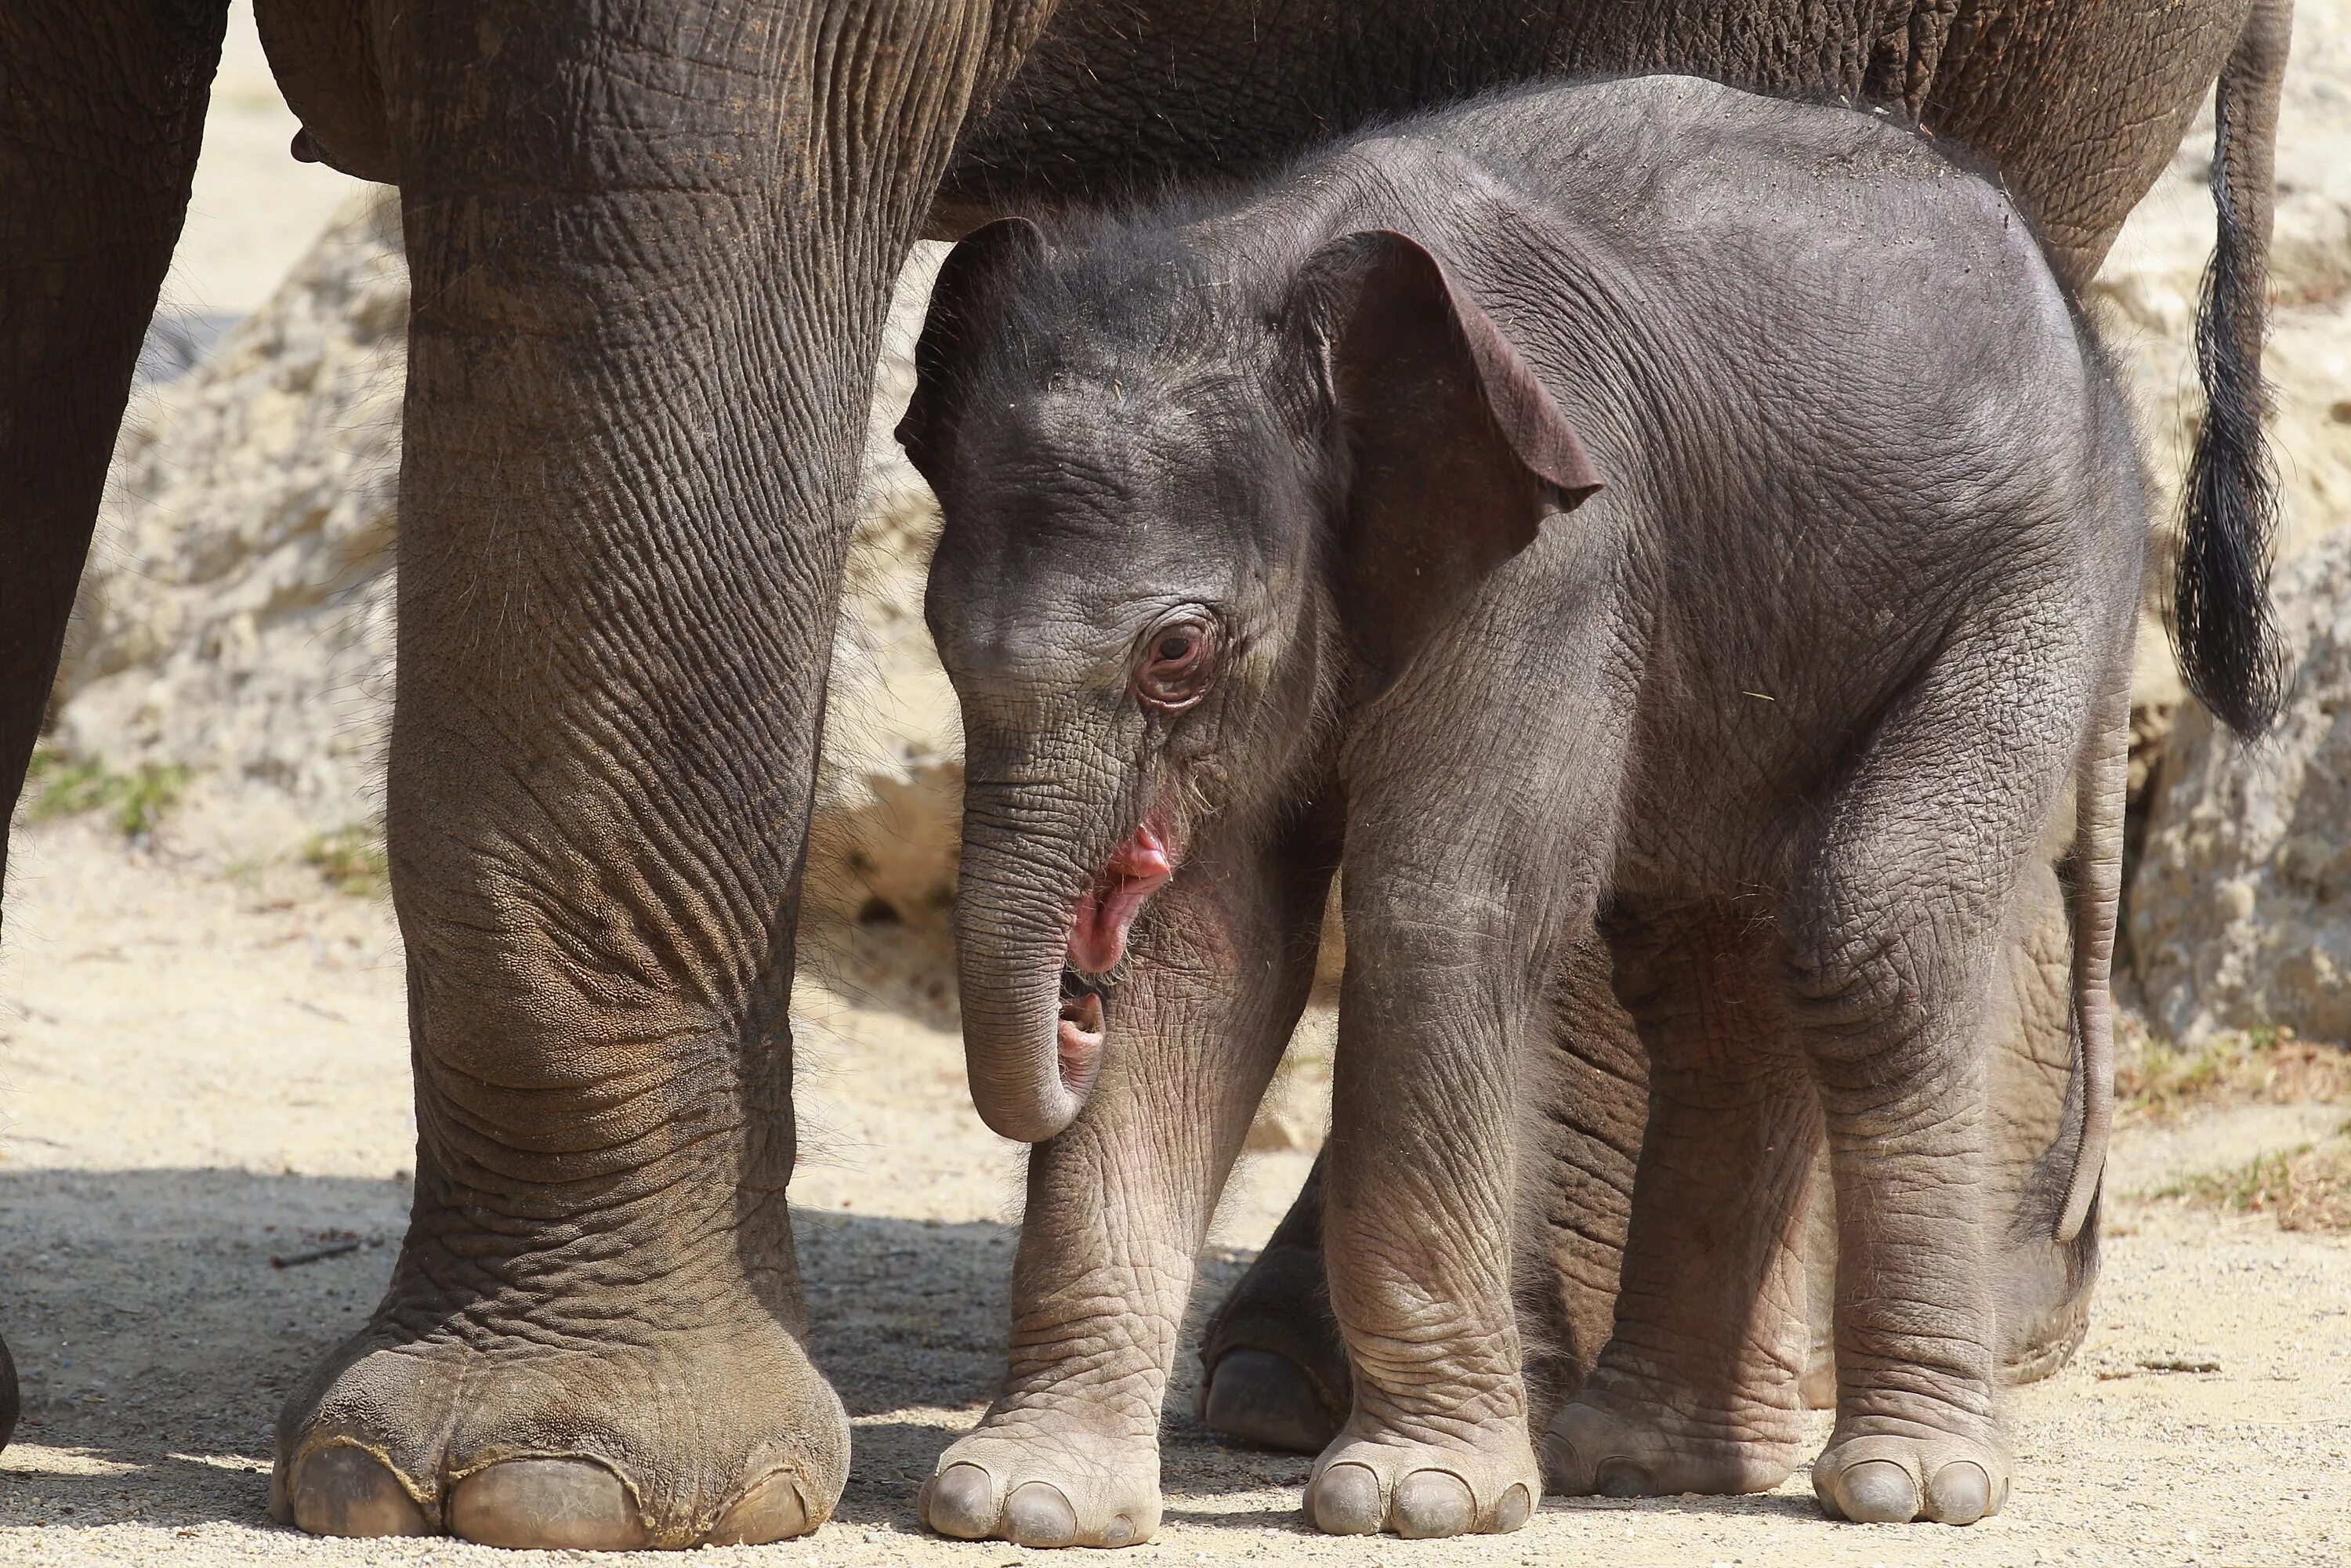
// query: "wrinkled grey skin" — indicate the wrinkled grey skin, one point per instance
point(1274, 1369)
point(1638, 512)
point(652, 243)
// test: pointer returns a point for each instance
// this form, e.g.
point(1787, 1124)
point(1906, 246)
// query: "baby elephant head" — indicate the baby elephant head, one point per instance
point(1187, 513)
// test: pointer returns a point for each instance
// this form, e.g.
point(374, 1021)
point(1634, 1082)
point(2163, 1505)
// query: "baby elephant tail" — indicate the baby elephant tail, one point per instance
point(2101, 781)
point(2227, 642)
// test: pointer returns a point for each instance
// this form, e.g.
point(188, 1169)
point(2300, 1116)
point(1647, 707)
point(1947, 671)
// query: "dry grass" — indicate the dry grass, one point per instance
point(56, 786)
point(352, 860)
point(2307, 1188)
point(2157, 1081)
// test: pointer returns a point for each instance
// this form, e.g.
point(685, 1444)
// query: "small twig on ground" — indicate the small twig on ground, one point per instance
point(316, 1255)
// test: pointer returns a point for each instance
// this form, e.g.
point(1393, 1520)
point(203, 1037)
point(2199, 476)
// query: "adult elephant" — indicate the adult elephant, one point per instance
point(652, 243)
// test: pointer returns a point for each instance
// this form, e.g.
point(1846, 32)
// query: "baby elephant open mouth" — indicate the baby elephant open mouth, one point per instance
point(1135, 870)
point(1079, 1035)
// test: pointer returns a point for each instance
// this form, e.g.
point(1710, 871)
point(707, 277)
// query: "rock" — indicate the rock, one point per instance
point(2240, 911)
point(235, 616)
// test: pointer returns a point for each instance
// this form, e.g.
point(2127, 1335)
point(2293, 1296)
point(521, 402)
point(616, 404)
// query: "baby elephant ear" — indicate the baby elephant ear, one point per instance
point(1453, 451)
point(971, 285)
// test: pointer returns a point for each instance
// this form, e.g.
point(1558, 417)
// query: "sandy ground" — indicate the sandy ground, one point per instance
point(203, 1070)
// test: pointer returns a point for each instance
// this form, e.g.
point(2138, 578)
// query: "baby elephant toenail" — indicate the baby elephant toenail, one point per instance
point(1119, 1531)
point(773, 1510)
point(1879, 1492)
point(1961, 1493)
point(553, 1504)
point(1431, 1504)
point(1037, 1514)
point(1346, 1501)
point(1623, 1478)
point(1512, 1511)
point(343, 1491)
point(961, 1502)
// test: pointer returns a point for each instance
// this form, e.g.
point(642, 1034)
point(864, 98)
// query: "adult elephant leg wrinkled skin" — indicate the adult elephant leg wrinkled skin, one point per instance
point(650, 248)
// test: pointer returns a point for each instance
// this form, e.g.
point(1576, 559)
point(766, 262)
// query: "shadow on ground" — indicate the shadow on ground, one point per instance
point(156, 1337)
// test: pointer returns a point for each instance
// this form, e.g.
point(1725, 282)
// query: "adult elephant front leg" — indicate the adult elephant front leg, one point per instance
point(652, 248)
point(102, 110)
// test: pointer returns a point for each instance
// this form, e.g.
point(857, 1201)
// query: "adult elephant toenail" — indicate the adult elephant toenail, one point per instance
point(773, 1510)
point(346, 1490)
point(1346, 1501)
point(1037, 1514)
point(1879, 1492)
point(1961, 1493)
point(961, 1502)
point(1432, 1504)
point(553, 1504)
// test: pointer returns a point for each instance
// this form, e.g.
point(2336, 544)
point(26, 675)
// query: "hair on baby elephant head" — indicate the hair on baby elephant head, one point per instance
point(1188, 499)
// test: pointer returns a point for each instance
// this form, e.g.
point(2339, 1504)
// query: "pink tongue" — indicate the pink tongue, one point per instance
point(1133, 872)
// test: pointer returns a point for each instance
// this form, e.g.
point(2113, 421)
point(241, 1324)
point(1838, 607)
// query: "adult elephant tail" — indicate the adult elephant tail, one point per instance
point(2227, 642)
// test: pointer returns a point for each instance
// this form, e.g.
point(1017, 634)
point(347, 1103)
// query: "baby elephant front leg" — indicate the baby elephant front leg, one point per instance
point(1417, 1241)
point(1118, 1204)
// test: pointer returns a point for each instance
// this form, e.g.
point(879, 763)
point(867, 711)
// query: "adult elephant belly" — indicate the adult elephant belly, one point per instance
point(1275, 1373)
point(2078, 105)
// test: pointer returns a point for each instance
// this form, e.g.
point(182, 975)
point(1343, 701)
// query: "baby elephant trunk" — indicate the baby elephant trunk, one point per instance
point(1031, 1054)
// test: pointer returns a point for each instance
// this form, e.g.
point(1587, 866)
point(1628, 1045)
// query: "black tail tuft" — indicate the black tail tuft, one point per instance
point(2228, 642)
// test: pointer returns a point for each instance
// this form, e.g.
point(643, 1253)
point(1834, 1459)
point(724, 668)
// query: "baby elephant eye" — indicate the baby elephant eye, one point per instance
point(1175, 667)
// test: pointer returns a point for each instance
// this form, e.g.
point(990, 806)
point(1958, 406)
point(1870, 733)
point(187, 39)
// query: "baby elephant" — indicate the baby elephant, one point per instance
point(1617, 507)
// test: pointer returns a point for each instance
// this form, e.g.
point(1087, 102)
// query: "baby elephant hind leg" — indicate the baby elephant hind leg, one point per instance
point(1418, 1213)
point(1697, 1390)
point(1893, 927)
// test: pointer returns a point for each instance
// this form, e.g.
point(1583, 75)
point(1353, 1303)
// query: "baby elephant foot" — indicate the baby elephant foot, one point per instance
point(1592, 1451)
point(1018, 1483)
point(1883, 1480)
point(1361, 1486)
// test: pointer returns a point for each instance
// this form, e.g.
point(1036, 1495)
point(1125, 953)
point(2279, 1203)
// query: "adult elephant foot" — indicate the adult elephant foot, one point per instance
point(1273, 1371)
point(1596, 1447)
point(571, 1397)
point(1892, 1477)
point(1475, 1483)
